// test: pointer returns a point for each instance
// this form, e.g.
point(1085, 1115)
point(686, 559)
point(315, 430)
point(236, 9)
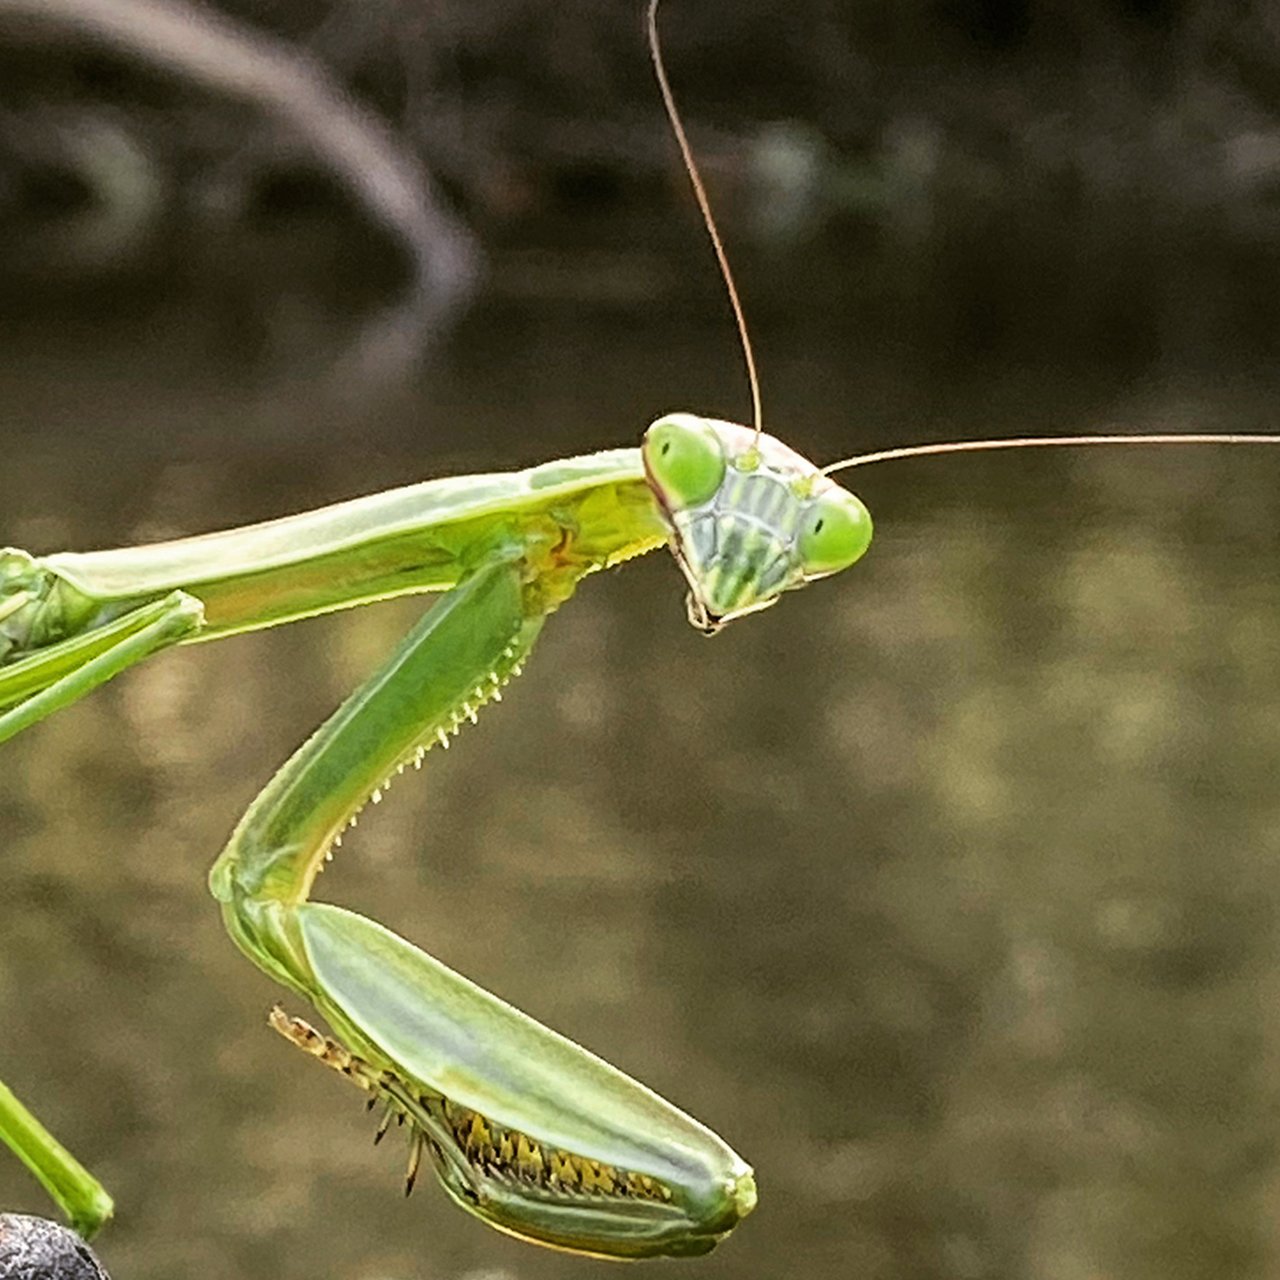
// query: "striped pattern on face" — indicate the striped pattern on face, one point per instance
point(738, 549)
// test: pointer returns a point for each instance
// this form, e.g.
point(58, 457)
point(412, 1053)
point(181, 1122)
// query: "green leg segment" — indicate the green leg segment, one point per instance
point(455, 660)
point(40, 685)
point(79, 1195)
point(61, 674)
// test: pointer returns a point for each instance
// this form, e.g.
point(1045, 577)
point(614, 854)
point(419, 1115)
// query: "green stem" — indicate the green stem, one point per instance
point(81, 1197)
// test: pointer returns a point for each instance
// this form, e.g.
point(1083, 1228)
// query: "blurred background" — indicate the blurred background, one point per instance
point(947, 891)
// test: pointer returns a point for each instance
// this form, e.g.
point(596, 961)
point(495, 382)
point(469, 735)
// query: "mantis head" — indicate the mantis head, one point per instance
point(749, 517)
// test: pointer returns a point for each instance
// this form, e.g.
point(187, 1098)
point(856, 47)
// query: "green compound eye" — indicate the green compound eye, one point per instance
point(685, 460)
point(836, 532)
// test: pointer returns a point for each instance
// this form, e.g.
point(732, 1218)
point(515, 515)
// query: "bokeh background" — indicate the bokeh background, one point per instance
point(947, 891)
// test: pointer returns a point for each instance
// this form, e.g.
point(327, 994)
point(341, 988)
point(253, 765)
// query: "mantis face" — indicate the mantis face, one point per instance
point(749, 518)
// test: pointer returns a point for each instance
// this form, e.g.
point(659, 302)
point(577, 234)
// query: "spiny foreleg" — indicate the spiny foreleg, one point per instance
point(381, 1086)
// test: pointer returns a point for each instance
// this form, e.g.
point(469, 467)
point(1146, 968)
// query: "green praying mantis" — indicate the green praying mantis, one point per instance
point(525, 1130)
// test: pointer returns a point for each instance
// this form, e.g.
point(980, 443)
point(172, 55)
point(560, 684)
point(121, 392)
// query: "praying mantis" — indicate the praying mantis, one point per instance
point(524, 1129)
point(527, 1131)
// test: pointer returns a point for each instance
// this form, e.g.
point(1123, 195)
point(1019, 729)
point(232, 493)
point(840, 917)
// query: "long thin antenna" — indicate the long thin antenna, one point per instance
point(1043, 442)
point(700, 194)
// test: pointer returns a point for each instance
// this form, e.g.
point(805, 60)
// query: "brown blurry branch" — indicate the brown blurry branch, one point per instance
point(218, 54)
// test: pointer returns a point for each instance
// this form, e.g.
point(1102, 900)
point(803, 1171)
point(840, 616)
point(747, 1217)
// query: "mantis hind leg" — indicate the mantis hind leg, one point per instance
point(59, 674)
point(77, 1193)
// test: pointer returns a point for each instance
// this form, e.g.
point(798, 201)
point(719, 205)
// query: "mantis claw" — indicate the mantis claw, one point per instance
point(415, 1159)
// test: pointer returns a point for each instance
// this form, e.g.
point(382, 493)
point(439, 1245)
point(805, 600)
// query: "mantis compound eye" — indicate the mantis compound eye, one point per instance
point(684, 459)
point(836, 531)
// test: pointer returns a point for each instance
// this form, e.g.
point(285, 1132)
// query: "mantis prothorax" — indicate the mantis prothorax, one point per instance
point(526, 1130)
